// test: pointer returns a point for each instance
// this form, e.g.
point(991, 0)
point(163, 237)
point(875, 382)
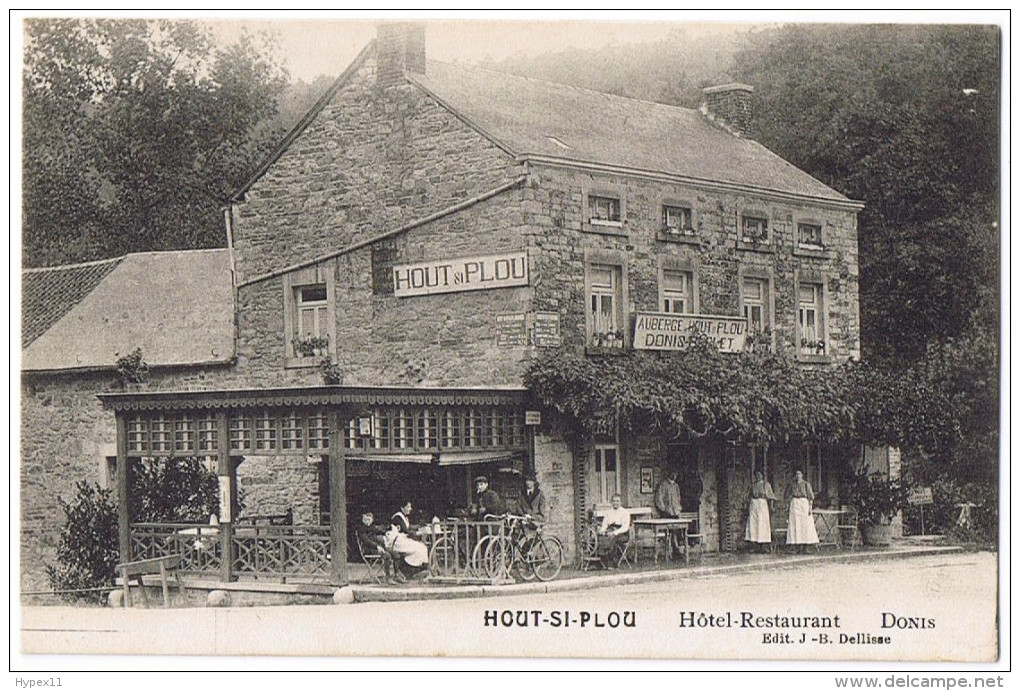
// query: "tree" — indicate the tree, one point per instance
point(904, 118)
point(135, 132)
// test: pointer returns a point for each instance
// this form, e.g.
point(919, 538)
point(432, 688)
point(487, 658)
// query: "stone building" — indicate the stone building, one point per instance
point(420, 237)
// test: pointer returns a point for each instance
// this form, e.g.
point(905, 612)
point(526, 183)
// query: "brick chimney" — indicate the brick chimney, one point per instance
point(729, 105)
point(399, 48)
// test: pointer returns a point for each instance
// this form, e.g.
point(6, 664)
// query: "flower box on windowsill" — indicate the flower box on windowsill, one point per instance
point(814, 251)
point(606, 227)
point(687, 236)
point(606, 344)
point(755, 245)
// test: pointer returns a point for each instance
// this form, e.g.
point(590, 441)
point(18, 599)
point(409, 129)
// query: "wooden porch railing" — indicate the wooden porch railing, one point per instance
point(261, 550)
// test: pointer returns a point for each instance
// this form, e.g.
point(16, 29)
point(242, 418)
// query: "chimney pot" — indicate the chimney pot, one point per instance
point(730, 105)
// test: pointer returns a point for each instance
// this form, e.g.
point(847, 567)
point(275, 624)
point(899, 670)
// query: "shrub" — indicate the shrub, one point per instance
point(87, 551)
point(181, 490)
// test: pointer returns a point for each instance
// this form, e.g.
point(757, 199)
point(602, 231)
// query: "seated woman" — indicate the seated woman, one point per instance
point(415, 555)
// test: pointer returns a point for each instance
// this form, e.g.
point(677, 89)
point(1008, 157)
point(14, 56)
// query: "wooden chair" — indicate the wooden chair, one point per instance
point(849, 533)
point(627, 548)
point(375, 560)
point(694, 537)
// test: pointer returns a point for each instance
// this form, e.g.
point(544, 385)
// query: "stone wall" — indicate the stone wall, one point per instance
point(372, 161)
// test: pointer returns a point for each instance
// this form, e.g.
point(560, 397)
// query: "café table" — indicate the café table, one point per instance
point(827, 526)
point(666, 528)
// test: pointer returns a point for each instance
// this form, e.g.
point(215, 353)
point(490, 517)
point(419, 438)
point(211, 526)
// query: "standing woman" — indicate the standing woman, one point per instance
point(802, 524)
point(759, 526)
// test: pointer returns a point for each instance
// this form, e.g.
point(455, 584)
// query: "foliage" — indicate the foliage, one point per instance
point(179, 490)
point(877, 498)
point(87, 551)
point(132, 368)
point(135, 132)
point(754, 396)
point(307, 346)
point(332, 374)
point(905, 118)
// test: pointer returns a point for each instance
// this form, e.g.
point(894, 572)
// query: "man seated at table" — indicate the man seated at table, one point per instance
point(486, 502)
point(373, 537)
point(613, 530)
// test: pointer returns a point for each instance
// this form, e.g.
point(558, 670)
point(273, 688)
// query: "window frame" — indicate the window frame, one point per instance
point(689, 234)
point(616, 262)
point(686, 266)
point(600, 226)
point(824, 354)
point(598, 474)
point(821, 251)
point(293, 283)
point(743, 243)
point(766, 278)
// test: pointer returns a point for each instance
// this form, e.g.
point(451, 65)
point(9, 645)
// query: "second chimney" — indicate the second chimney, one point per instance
point(399, 48)
point(729, 104)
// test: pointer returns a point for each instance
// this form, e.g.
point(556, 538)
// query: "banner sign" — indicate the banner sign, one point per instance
point(655, 331)
point(458, 275)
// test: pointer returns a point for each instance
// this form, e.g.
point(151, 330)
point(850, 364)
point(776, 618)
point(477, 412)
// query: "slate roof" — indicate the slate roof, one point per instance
point(531, 117)
point(48, 294)
point(178, 307)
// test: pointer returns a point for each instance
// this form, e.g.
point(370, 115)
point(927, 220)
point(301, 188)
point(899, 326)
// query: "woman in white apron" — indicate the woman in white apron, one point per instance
point(802, 524)
point(759, 525)
point(415, 554)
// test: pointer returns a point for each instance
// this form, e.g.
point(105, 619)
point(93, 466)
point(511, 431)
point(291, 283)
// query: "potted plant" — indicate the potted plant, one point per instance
point(878, 499)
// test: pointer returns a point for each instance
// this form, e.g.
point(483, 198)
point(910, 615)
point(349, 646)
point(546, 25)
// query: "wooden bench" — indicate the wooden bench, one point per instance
point(137, 570)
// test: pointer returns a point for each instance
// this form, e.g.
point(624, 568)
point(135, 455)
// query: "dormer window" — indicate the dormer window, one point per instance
point(604, 210)
point(677, 220)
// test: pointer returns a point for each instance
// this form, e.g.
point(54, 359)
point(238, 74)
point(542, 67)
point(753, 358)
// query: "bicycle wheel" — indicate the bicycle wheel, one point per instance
point(545, 558)
point(522, 559)
point(499, 557)
point(443, 558)
point(477, 564)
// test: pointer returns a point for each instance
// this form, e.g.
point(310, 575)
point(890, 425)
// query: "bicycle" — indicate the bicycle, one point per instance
point(522, 550)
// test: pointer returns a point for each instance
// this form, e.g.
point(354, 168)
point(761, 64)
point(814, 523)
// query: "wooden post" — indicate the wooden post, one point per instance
point(228, 485)
point(123, 508)
point(337, 503)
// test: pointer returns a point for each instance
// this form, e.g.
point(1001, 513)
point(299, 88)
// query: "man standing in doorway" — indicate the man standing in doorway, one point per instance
point(667, 496)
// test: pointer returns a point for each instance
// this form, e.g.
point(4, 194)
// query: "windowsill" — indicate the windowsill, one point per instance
point(302, 361)
point(814, 252)
point(765, 247)
point(602, 350)
point(682, 238)
point(606, 228)
point(814, 358)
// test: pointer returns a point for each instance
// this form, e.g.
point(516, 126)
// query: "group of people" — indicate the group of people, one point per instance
point(408, 558)
point(801, 527)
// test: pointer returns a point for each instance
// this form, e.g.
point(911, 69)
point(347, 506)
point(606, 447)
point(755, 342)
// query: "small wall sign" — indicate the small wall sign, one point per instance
point(532, 417)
